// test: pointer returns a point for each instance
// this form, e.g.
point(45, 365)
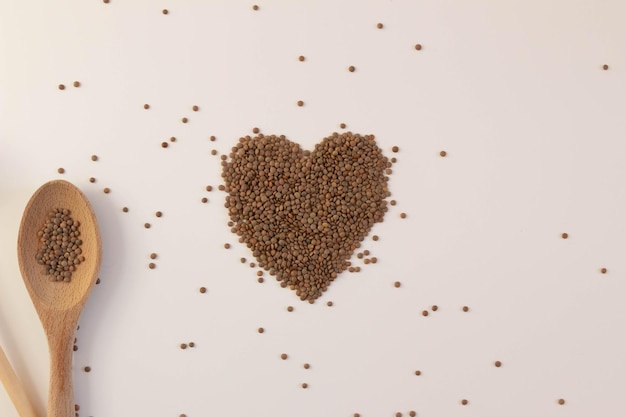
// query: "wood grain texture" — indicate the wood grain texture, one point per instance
point(14, 388)
point(59, 304)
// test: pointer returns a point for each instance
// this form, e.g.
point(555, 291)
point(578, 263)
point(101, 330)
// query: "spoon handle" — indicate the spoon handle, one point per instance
point(14, 388)
point(61, 390)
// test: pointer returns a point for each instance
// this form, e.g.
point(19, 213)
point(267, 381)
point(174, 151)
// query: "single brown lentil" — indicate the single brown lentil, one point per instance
point(252, 264)
point(61, 87)
point(393, 202)
point(351, 68)
point(92, 179)
point(397, 284)
point(403, 215)
point(375, 238)
point(394, 160)
point(165, 11)
point(184, 120)
point(342, 125)
point(98, 281)
point(255, 130)
point(173, 139)
point(305, 385)
point(164, 144)
point(183, 345)
point(107, 190)
point(195, 108)
point(61, 170)
point(395, 149)
point(213, 152)
point(212, 138)
point(561, 401)
point(366, 252)
point(205, 200)
point(398, 414)
point(425, 313)
point(300, 103)
point(434, 308)
point(418, 47)
point(379, 25)
point(443, 153)
point(306, 366)
point(465, 309)
point(283, 356)
point(146, 106)
point(209, 188)
point(603, 270)
point(412, 413)
point(374, 260)
point(260, 329)
point(564, 235)
point(290, 308)
point(158, 214)
point(498, 364)
point(226, 245)
point(87, 369)
point(192, 344)
point(221, 187)
point(329, 304)
point(76, 84)
point(151, 265)
point(153, 255)
point(464, 402)
point(260, 280)
point(125, 209)
point(605, 67)
point(147, 225)
point(202, 290)
point(242, 260)
point(255, 7)
point(301, 58)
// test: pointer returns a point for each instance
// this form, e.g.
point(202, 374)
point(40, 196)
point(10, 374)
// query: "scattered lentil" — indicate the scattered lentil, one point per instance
point(425, 313)
point(465, 309)
point(255, 130)
point(342, 125)
point(195, 108)
point(564, 235)
point(305, 385)
point(375, 238)
point(184, 120)
point(202, 290)
point(243, 260)
point(158, 214)
point(290, 309)
point(464, 402)
point(412, 413)
point(183, 345)
point(146, 106)
point(87, 369)
point(379, 25)
point(205, 200)
point(151, 265)
point(605, 67)
point(173, 139)
point(395, 149)
point(165, 11)
point(393, 202)
point(261, 330)
point(61, 170)
point(443, 153)
point(213, 152)
point(147, 225)
point(498, 364)
point(153, 255)
point(397, 284)
point(76, 84)
point(603, 270)
point(306, 366)
point(301, 58)
point(212, 138)
point(561, 401)
point(300, 103)
point(226, 245)
point(260, 280)
point(283, 356)
point(351, 68)
point(329, 304)
point(192, 344)
point(434, 308)
point(92, 179)
point(125, 209)
point(164, 144)
point(403, 215)
point(255, 7)
point(209, 188)
point(61, 87)
point(418, 47)
point(106, 190)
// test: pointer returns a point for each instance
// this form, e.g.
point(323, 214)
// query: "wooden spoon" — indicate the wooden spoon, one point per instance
point(59, 304)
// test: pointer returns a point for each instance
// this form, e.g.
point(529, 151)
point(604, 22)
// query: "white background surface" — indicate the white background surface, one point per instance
point(514, 91)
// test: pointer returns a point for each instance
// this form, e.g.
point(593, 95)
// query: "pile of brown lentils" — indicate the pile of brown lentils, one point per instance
point(303, 213)
point(60, 251)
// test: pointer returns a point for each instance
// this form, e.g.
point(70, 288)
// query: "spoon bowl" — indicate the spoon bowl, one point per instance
point(59, 304)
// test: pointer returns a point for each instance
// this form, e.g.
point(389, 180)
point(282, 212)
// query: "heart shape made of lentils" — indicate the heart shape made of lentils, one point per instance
point(303, 213)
